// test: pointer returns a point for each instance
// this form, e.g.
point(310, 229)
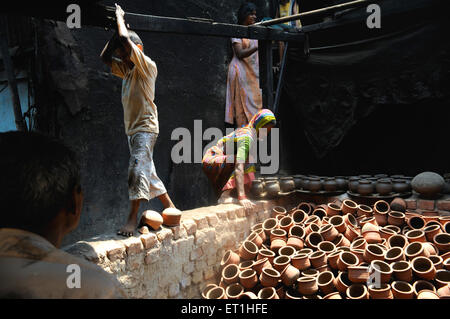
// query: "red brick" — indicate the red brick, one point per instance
point(425, 204)
point(411, 203)
point(443, 205)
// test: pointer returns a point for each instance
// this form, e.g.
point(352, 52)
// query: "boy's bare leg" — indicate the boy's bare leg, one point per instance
point(166, 201)
point(130, 226)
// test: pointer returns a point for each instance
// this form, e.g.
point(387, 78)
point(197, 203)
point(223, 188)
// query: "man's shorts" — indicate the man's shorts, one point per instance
point(143, 183)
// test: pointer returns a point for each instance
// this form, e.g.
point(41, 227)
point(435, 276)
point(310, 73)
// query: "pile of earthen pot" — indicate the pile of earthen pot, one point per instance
point(340, 250)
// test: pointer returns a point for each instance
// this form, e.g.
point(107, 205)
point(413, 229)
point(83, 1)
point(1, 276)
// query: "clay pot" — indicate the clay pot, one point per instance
point(364, 210)
point(328, 232)
point(351, 233)
point(248, 278)
point(357, 291)
point(350, 221)
point(365, 187)
point(152, 219)
point(315, 184)
point(333, 295)
point(266, 253)
point(360, 254)
point(297, 231)
point(384, 186)
point(229, 257)
point(347, 259)
point(307, 285)
point(349, 207)
point(442, 242)
point(327, 247)
point(333, 209)
point(287, 251)
point(400, 186)
point(313, 239)
point(359, 243)
point(358, 274)
point(299, 216)
point(398, 241)
point(301, 261)
point(287, 184)
point(383, 291)
point(444, 220)
point(280, 262)
point(295, 242)
point(402, 270)
point(206, 289)
point(313, 219)
point(442, 278)
point(428, 184)
point(320, 212)
point(278, 234)
point(260, 264)
point(318, 259)
point(373, 252)
point(398, 204)
point(446, 263)
point(431, 231)
point(447, 228)
point(427, 294)
point(311, 228)
point(402, 290)
point(444, 292)
point(278, 210)
point(171, 216)
point(248, 295)
point(383, 270)
point(257, 187)
point(342, 282)
point(216, 293)
point(298, 179)
point(437, 261)
point(269, 277)
point(423, 268)
point(306, 207)
point(230, 274)
point(276, 244)
point(325, 282)
point(286, 223)
point(416, 222)
point(368, 220)
point(416, 235)
point(338, 223)
point(380, 210)
point(234, 291)
point(289, 275)
point(272, 187)
point(421, 285)
point(394, 254)
point(342, 183)
point(330, 185)
point(247, 264)
point(310, 273)
point(255, 238)
point(248, 250)
point(386, 233)
point(396, 229)
point(269, 224)
point(396, 218)
point(371, 233)
point(268, 293)
point(416, 249)
point(353, 183)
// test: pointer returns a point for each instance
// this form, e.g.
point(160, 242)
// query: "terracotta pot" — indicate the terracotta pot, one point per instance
point(416, 222)
point(206, 289)
point(416, 235)
point(364, 210)
point(442, 278)
point(289, 275)
point(371, 233)
point(272, 187)
point(398, 241)
point(234, 291)
point(358, 274)
point(313, 239)
point(297, 231)
point(256, 239)
point(171, 216)
point(248, 250)
point(311, 228)
point(423, 268)
point(442, 242)
point(268, 293)
point(347, 259)
point(280, 262)
point(333, 258)
point(152, 219)
point(305, 251)
point(421, 285)
point(360, 254)
point(330, 185)
point(248, 278)
point(349, 207)
point(276, 244)
point(278, 234)
point(415, 249)
point(313, 219)
point(281, 291)
point(301, 261)
point(286, 223)
point(287, 184)
point(402, 270)
point(295, 242)
point(306, 207)
point(402, 290)
point(341, 241)
point(248, 295)
point(328, 232)
point(216, 293)
point(320, 211)
point(260, 264)
point(384, 186)
point(437, 261)
point(359, 243)
point(365, 187)
point(428, 184)
point(394, 254)
point(446, 263)
point(400, 186)
point(373, 252)
point(230, 274)
point(222, 284)
point(350, 221)
point(447, 228)
point(368, 220)
point(325, 282)
point(351, 233)
point(427, 294)
point(333, 209)
point(257, 187)
point(444, 292)
point(444, 220)
point(382, 269)
point(338, 223)
point(230, 257)
point(310, 273)
point(318, 259)
point(266, 253)
point(269, 224)
point(383, 291)
point(342, 282)
point(327, 247)
point(398, 204)
point(315, 184)
point(386, 233)
point(247, 264)
point(287, 251)
point(269, 277)
point(333, 295)
point(353, 183)
point(357, 291)
point(395, 229)
point(299, 216)
point(307, 285)
point(380, 211)
point(396, 218)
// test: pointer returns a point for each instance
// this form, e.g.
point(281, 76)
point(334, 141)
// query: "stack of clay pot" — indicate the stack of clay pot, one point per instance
point(340, 250)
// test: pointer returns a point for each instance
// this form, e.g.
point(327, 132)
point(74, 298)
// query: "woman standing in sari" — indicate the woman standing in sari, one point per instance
point(232, 169)
point(244, 97)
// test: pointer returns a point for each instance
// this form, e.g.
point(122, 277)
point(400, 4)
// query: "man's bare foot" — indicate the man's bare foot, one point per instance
point(127, 230)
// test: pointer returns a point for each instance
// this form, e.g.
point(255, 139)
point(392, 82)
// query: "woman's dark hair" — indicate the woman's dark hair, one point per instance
point(38, 177)
point(244, 10)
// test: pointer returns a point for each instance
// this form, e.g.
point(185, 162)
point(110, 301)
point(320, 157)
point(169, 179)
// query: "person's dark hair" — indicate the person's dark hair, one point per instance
point(244, 10)
point(38, 177)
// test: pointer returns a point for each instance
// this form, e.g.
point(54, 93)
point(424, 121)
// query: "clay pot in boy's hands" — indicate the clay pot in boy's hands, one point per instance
point(171, 216)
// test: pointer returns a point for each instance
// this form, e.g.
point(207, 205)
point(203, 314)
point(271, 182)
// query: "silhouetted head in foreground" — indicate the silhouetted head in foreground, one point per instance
point(40, 188)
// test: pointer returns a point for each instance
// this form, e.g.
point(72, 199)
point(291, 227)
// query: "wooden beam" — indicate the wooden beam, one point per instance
point(266, 72)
